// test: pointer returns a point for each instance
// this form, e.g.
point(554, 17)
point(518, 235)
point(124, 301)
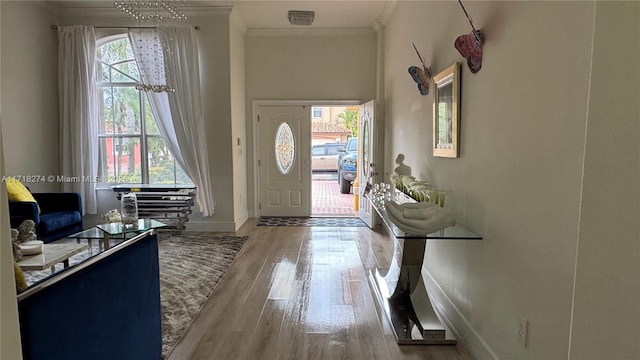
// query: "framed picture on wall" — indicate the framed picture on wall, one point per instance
point(446, 112)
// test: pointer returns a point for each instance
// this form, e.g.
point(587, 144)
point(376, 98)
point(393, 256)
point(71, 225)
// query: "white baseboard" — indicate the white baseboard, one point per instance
point(454, 319)
point(215, 226)
point(241, 220)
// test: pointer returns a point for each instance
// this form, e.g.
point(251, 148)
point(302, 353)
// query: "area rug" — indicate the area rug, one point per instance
point(191, 264)
point(311, 221)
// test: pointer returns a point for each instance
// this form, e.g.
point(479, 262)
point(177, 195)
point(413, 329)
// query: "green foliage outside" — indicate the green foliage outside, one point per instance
point(122, 107)
point(350, 118)
point(164, 174)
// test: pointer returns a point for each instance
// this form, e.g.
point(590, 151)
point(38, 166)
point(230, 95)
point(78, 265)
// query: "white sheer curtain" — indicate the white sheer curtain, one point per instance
point(179, 114)
point(78, 111)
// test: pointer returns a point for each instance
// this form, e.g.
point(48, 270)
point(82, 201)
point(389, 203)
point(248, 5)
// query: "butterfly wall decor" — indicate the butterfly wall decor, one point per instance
point(470, 45)
point(421, 75)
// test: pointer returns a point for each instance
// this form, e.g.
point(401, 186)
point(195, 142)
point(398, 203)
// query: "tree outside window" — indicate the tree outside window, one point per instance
point(131, 149)
point(350, 118)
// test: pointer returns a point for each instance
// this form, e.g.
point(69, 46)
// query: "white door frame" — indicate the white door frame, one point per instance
point(255, 105)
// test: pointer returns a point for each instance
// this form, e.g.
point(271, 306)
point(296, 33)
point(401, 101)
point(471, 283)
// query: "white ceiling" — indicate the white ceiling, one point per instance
point(269, 14)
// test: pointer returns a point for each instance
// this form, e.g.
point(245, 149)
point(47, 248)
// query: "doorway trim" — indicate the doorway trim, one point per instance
point(254, 118)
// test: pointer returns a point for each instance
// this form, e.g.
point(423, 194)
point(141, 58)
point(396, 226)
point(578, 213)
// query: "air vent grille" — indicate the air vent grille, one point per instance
point(300, 17)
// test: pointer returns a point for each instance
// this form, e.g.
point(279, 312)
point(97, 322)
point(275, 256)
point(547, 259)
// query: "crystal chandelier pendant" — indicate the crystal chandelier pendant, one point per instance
point(151, 54)
point(155, 88)
point(155, 10)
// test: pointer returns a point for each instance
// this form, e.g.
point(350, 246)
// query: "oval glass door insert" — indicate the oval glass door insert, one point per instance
point(284, 148)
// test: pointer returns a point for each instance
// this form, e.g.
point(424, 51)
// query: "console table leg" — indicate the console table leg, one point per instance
point(404, 299)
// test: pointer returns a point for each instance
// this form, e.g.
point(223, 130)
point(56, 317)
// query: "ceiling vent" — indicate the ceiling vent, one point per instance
point(299, 17)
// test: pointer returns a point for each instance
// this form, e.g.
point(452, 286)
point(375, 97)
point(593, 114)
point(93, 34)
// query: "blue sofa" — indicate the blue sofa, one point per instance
point(105, 308)
point(60, 214)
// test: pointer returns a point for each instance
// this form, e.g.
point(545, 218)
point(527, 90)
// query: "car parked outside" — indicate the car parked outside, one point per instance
point(324, 157)
point(347, 169)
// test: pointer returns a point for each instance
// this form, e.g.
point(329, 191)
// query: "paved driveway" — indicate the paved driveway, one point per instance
point(326, 197)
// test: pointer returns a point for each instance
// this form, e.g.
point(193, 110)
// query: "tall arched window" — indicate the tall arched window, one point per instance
point(131, 149)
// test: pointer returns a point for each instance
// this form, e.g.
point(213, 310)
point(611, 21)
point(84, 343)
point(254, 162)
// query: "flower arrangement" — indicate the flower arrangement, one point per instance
point(419, 190)
point(112, 216)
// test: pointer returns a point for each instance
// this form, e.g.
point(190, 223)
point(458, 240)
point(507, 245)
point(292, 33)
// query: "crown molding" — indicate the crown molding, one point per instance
point(208, 10)
point(45, 6)
point(389, 8)
point(236, 20)
point(310, 32)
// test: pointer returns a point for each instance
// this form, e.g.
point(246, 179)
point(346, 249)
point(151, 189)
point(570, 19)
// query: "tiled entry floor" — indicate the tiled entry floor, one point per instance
point(327, 199)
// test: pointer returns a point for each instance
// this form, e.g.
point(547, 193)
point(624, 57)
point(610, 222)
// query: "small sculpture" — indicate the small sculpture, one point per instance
point(17, 254)
point(470, 48)
point(421, 76)
point(112, 216)
point(419, 218)
point(470, 45)
point(25, 241)
point(26, 231)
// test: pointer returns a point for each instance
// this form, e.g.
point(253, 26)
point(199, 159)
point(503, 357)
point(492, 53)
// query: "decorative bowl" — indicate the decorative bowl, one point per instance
point(31, 247)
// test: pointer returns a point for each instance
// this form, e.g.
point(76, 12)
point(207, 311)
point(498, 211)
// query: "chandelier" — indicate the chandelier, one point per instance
point(150, 53)
point(154, 10)
point(155, 88)
point(150, 49)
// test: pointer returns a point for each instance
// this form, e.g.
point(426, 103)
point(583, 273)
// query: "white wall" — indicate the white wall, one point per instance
point(307, 65)
point(214, 44)
point(518, 179)
point(607, 290)
point(9, 328)
point(30, 91)
point(238, 118)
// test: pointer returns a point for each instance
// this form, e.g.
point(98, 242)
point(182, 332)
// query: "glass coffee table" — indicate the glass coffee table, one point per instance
point(105, 232)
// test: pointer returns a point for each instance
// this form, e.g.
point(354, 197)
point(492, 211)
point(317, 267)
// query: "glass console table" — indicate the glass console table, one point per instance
point(171, 204)
point(401, 291)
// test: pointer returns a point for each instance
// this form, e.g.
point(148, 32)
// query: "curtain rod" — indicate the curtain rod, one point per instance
point(55, 27)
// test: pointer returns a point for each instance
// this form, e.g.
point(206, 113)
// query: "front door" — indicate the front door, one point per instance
point(284, 158)
point(366, 161)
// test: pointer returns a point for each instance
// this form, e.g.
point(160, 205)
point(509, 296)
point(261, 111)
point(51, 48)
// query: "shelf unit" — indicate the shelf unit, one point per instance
point(400, 289)
point(171, 205)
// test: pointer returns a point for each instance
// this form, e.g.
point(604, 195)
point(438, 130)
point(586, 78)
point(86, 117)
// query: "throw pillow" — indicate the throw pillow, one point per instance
point(21, 282)
point(18, 192)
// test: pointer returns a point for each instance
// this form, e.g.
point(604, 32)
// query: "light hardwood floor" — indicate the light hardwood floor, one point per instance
point(301, 293)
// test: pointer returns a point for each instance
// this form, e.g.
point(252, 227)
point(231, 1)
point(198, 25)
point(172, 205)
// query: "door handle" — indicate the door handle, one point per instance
point(371, 167)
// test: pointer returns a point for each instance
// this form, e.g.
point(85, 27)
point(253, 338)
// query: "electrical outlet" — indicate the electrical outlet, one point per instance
point(522, 330)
